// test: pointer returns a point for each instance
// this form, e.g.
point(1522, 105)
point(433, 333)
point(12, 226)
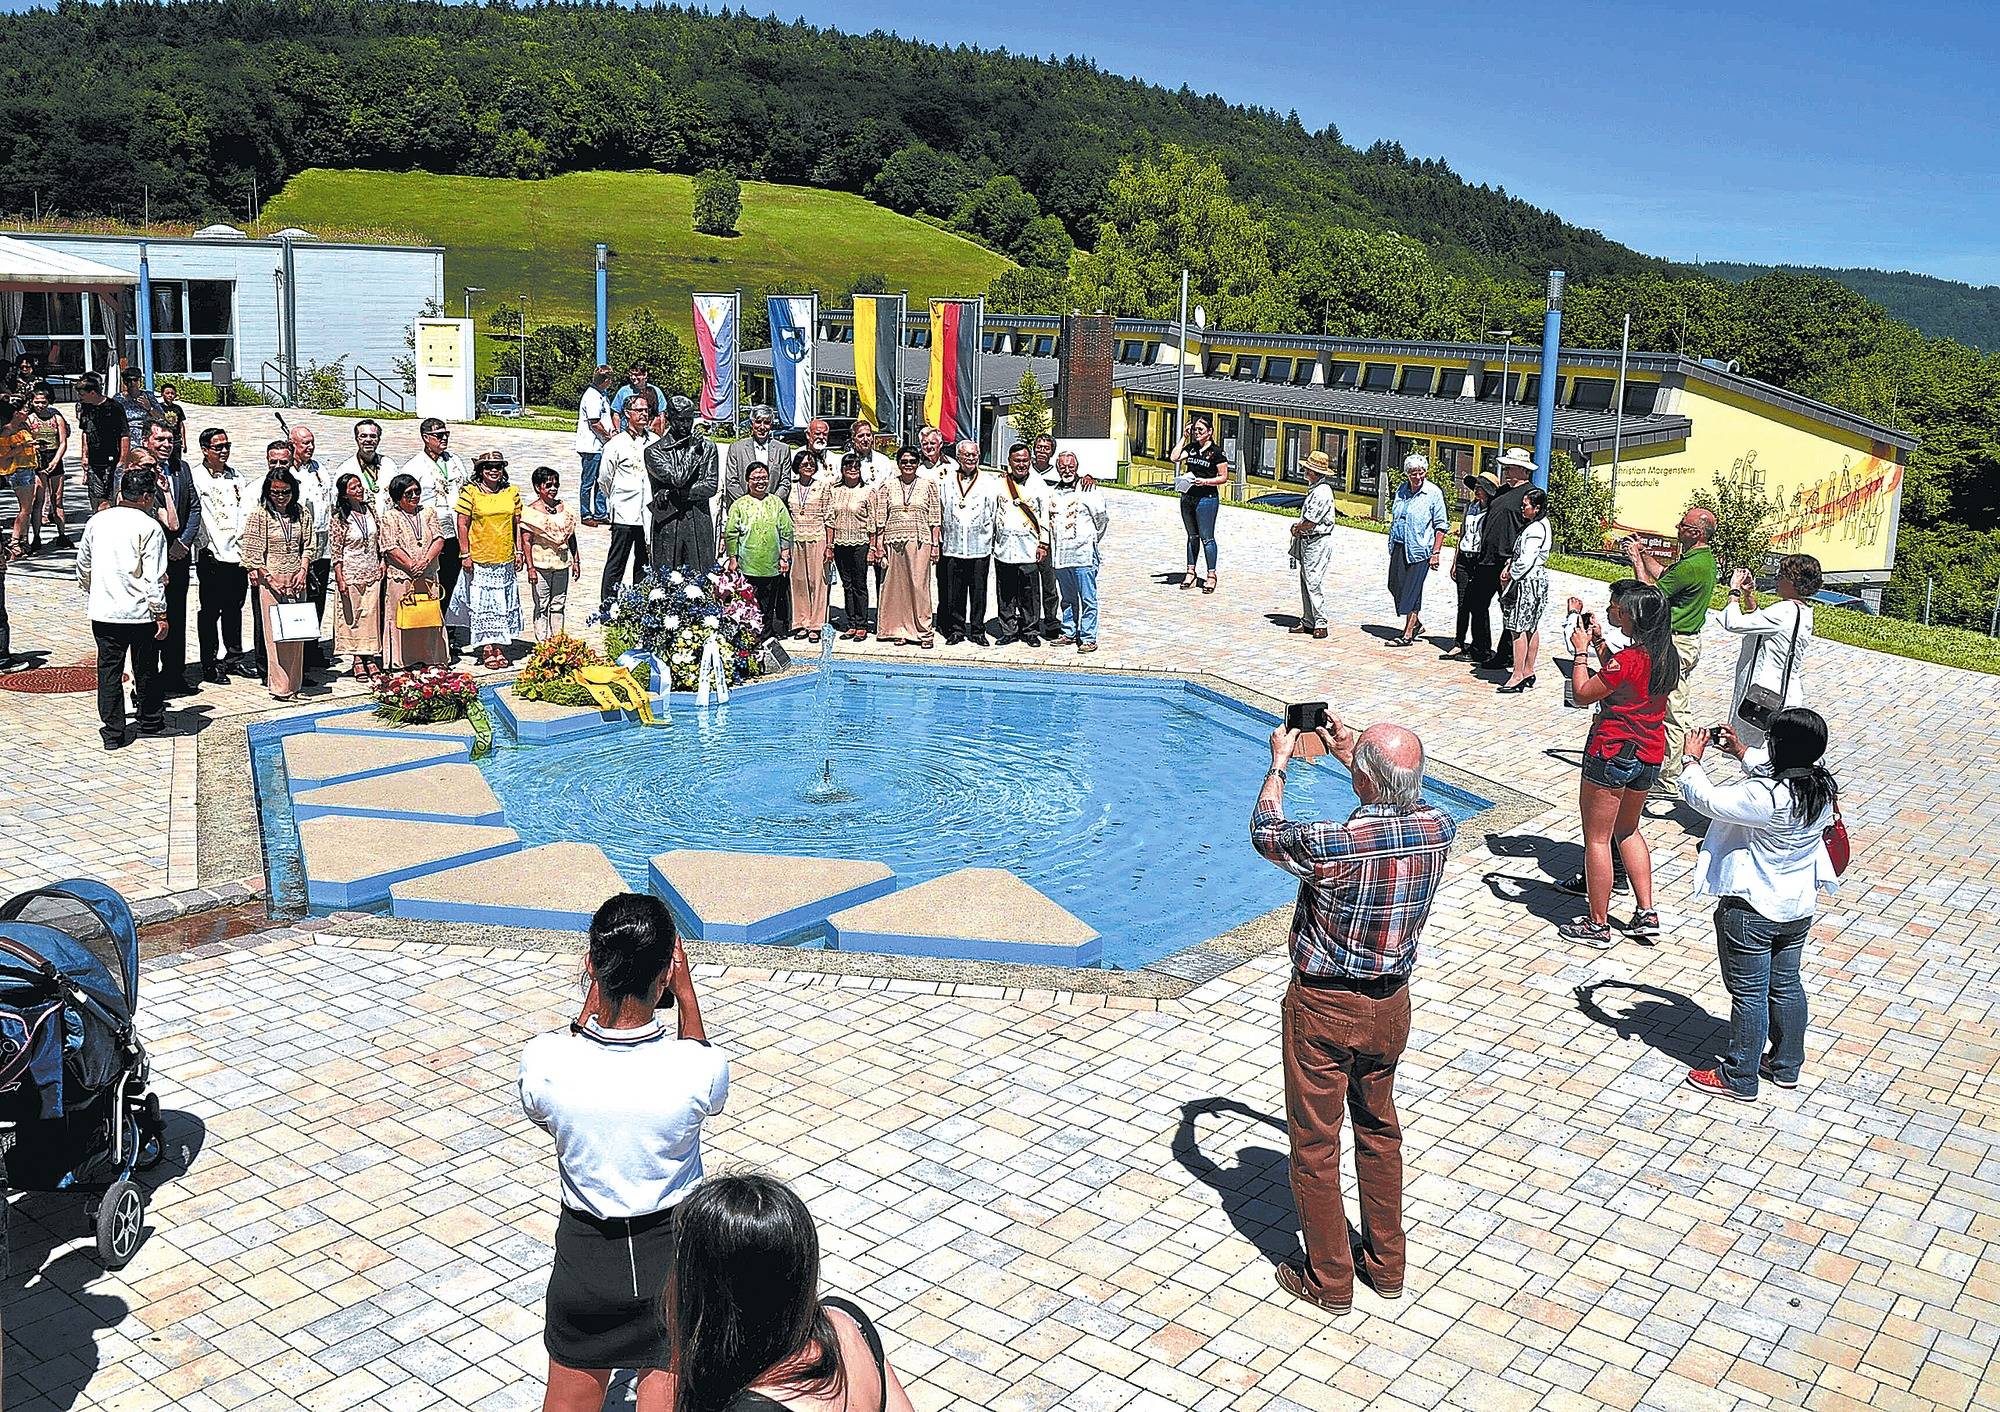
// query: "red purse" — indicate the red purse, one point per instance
point(1838, 847)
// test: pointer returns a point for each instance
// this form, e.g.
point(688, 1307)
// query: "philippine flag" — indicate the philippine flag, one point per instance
point(794, 321)
point(715, 323)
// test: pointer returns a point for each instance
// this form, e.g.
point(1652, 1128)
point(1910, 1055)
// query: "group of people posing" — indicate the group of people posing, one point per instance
point(920, 532)
point(408, 564)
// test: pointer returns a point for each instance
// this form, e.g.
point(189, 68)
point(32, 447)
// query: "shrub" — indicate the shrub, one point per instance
point(718, 201)
point(1579, 506)
point(323, 386)
point(1742, 523)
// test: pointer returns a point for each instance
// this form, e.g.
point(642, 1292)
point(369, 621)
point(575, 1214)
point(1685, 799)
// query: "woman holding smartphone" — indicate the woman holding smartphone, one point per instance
point(1204, 469)
point(1623, 754)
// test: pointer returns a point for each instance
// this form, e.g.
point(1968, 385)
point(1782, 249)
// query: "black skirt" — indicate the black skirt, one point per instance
point(605, 1290)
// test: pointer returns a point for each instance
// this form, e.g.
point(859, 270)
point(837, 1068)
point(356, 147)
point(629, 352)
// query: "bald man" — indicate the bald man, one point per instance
point(1689, 585)
point(1365, 892)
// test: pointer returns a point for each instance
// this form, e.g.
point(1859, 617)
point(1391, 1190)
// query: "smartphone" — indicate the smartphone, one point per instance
point(1306, 715)
point(1716, 734)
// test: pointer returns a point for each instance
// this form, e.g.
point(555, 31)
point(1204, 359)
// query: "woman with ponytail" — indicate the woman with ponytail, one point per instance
point(1765, 862)
point(1623, 754)
point(624, 1096)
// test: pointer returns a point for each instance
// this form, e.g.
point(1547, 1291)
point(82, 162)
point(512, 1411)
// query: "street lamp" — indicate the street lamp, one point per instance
point(470, 290)
point(1506, 337)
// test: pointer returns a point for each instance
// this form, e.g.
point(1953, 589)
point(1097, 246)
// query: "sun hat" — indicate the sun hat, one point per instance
point(1317, 461)
point(1517, 458)
point(488, 458)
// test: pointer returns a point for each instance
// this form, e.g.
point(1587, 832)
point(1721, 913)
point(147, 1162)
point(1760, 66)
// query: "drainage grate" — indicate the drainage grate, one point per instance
point(44, 681)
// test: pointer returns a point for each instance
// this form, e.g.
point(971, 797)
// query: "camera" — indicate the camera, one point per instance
point(1717, 734)
point(1306, 716)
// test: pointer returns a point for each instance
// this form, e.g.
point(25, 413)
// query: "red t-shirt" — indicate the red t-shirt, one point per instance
point(1630, 714)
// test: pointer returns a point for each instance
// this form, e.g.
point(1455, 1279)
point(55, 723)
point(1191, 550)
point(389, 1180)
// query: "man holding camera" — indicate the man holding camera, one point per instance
point(1365, 892)
point(1689, 584)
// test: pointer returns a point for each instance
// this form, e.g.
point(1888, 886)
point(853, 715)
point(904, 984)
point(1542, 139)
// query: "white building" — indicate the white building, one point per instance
point(271, 306)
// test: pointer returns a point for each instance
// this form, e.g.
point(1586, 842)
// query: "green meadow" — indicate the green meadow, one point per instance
point(539, 238)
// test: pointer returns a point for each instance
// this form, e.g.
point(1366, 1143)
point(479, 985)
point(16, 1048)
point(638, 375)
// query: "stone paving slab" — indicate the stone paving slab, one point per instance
point(544, 720)
point(760, 897)
point(314, 759)
point(365, 722)
point(556, 887)
point(452, 793)
point(981, 914)
point(351, 862)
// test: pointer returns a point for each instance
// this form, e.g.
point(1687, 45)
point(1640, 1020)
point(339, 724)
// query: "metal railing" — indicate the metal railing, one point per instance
point(372, 391)
point(274, 381)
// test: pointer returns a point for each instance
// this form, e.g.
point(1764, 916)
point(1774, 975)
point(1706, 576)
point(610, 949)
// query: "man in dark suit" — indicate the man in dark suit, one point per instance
point(178, 509)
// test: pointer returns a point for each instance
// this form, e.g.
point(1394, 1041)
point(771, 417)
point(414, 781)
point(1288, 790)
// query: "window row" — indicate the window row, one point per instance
point(194, 323)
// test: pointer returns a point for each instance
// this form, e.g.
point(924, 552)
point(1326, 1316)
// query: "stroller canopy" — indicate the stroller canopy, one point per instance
point(79, 930)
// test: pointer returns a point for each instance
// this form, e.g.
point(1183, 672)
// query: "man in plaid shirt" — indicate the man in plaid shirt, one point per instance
point(1365, 889)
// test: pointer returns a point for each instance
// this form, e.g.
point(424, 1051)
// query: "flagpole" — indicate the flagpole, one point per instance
point(736, 422)
point(1180, 383)
point(978, 357)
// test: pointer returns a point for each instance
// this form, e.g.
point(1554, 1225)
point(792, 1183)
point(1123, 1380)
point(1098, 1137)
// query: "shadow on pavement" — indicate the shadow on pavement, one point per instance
point(1256, 1191)
point(1665, 1020)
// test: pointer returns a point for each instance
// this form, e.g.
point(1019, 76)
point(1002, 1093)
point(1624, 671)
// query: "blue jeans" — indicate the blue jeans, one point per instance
point(1198, 519)
point(590, 501)
point(1078, 590)
point(1767, 1002)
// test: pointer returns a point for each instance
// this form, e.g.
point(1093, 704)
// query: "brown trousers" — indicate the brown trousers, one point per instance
point(1341, 1048)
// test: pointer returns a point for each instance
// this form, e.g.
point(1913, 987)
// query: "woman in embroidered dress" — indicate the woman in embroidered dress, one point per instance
point(908, 523)
point(274, 543)
point(487, 600)
point(357, 574)
point(411, 543)
point(812, 543)
point(850, 525)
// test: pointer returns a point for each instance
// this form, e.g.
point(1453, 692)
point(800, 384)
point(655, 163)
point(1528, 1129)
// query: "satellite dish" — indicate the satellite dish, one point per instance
point(1200, 317)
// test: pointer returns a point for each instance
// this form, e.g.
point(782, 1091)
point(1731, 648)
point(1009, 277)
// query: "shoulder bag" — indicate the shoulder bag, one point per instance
point(868, 1332)
point(1760, 703)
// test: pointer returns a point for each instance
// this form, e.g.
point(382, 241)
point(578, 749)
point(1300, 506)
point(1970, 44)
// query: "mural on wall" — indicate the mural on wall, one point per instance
point(1841, 515)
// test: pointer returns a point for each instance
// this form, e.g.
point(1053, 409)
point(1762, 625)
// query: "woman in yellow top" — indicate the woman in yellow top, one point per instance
point(487, 600)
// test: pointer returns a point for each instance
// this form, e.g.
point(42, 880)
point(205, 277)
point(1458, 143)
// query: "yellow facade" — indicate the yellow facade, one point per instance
point(1836, 490)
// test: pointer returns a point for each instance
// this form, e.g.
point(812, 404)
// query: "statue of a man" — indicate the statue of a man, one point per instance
point(682, 471)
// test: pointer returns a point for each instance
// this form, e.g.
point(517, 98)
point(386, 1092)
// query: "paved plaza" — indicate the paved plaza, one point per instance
point(1067, 1199)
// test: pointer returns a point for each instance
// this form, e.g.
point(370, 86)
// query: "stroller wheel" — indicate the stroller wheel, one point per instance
point(121, 1220)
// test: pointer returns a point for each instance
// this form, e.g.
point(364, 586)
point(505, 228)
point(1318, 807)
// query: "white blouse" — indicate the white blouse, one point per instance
point(1759, 849)
point(1767, 643)
point(1531, 550)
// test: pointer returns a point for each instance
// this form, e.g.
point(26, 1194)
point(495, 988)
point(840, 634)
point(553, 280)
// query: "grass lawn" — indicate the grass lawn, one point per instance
point(511, 236)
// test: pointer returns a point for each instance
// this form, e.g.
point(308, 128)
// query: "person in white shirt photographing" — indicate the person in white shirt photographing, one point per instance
point(121, 562)
point(1765, 861)
point(624, 1100)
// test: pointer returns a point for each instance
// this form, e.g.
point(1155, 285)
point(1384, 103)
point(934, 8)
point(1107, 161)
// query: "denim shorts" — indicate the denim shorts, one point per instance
point(1620, 771)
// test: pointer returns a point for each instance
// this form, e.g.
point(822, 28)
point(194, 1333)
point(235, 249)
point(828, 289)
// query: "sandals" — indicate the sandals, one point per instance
point(1209, 586)
point(1190, 581)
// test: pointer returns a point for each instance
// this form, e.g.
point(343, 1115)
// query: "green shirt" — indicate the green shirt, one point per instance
point(756, 532)
point(1689, 584)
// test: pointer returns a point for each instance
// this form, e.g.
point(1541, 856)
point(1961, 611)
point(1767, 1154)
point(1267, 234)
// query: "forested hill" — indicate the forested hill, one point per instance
point(1942, 308)
point(192, 101)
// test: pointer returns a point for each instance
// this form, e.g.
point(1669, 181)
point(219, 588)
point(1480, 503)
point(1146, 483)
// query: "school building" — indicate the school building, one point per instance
point(1836, 478)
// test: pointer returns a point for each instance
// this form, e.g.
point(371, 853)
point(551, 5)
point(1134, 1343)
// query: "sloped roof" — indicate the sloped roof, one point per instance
point(26, 266)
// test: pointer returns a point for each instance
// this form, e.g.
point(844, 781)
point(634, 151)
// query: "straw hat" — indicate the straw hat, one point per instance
point(1517, 458)
point(488, 458)
point(1318, 464)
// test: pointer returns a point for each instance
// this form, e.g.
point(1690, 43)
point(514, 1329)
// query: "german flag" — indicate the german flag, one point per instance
point(951, 400)
point(878, 335)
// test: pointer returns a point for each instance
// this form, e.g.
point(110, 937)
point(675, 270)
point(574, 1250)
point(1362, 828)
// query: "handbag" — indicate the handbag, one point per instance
point(1760, 703)
point(1839, 848)
point(294, 622)
point(419, 610)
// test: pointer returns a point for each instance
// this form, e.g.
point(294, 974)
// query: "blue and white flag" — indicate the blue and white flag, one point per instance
point(794, 326)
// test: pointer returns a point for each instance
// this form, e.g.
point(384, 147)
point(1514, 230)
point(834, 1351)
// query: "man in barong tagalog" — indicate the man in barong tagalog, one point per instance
point(681, 468)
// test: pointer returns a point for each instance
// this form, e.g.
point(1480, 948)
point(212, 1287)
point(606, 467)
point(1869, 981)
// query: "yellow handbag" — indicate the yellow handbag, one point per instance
point(419, 610)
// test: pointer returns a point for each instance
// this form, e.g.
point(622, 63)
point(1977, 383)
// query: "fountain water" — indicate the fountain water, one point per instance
point(821, 788)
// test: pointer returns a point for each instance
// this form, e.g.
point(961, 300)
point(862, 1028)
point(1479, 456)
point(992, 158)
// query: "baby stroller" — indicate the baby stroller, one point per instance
point(75, 1112)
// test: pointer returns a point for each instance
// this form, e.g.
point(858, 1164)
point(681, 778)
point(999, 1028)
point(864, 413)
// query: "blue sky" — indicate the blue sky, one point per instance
point(1839, 133)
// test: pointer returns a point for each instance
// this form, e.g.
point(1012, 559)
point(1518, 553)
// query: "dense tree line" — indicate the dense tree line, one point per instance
point(195, 101)
point(1943, 308)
